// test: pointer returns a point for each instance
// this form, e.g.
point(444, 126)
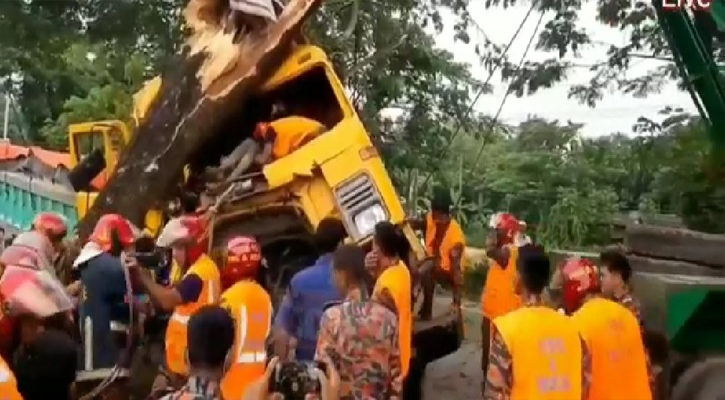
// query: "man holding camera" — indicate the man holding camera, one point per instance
point(200, 286)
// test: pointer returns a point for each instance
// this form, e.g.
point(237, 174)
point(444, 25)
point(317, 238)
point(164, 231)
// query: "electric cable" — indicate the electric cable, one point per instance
point(492, 124)
point(481, 90)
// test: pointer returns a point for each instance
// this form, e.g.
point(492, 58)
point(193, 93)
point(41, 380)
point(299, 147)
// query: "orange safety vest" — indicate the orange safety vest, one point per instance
point(291, 134)
point(207, 270)
point(8, 384)
point(454, 236)
point(251, 307)
point(613, 337)
point(546, 354)
point(499, 294)
point(398, 282)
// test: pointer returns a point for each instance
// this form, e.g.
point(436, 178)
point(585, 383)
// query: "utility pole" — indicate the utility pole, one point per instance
point(6, 117)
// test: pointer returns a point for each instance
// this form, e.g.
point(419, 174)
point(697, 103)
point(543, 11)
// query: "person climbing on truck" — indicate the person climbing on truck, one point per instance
point(445, 243)
point(298, 320)
point(615, 281)
point(499, 295)
point(250, 306)
point(611, 333)
point(536, 352)
point(287, 132)
point(187, 239)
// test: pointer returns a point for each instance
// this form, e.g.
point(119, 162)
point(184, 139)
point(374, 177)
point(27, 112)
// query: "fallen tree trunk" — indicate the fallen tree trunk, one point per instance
point(212, 82)
point(659, 266)
point(676, 244)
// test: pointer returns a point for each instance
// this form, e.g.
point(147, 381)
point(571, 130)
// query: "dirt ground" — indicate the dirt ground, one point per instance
point(458, 376)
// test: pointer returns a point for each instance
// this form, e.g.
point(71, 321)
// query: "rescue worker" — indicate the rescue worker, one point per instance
point(103, 310)
point(52, 225)
point(251, 308)
point(499, 295)
point(615, 281)
point(186, 236)
point(210, 339)
point(536, 352)
point(359, 337)
point(270, 141)
point(445, 243)
point(611, 333)
point(394, 286)
point(8, 383)
point(298, 320)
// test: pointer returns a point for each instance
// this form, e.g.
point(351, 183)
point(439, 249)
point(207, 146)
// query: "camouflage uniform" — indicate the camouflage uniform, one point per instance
point(196, 389)
point(633, 305)
point(360, 337)
point(499, 379)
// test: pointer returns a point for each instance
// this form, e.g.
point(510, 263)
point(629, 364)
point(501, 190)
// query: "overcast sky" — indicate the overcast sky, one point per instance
point(616, 112)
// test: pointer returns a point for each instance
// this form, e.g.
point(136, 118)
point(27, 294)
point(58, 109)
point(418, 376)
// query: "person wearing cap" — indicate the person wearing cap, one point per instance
point(250, 306)
point(187, 238)
point(445, 243)
point(611, 333)
point(499, 295)
point(103, 312)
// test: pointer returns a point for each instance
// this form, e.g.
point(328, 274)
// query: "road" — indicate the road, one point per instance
point(457, 376)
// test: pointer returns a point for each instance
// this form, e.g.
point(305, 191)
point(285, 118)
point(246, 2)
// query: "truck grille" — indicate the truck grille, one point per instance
point(354, 196)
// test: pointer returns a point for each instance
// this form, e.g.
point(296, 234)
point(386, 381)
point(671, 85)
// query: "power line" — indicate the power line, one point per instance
point(482, 89)
point(492, 124)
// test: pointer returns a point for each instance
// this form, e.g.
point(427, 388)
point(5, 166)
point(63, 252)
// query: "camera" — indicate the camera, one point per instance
point(151, 256)
point(296, 379)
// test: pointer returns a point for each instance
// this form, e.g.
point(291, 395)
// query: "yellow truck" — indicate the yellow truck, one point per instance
point(339, 173)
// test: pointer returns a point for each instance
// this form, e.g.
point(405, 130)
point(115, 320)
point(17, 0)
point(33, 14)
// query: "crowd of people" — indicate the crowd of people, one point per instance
point(352, 311)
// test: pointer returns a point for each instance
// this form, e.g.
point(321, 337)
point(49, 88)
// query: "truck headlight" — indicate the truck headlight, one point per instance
point(366, 219)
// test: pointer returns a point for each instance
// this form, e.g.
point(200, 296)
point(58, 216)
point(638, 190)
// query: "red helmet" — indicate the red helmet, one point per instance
point(506, 223)
point(102, 233)
point(579, 277)
point(53, 225)
point(243, 259)
point(188, 231)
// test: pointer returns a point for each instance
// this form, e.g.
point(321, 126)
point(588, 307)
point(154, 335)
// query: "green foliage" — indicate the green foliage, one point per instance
point(81, 60)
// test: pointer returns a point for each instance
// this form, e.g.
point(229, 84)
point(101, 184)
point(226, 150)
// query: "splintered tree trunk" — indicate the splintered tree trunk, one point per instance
point(213, 81)
point(676, 244)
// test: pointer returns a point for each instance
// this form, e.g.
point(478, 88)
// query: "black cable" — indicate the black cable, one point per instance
point(481, 90)
point(493, 122)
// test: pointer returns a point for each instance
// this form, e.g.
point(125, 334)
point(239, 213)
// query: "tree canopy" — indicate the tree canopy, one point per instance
point(81, 60)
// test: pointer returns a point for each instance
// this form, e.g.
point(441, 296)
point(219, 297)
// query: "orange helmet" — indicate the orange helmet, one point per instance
point(112, 227)
point(53, 225)
point(243, 259)
point(580, 277)
point(188, 231)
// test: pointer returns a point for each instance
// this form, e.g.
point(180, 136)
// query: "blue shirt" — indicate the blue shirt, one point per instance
point(302, 307)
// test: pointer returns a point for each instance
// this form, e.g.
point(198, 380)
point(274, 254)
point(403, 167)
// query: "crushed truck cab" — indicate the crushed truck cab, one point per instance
point(339, 174)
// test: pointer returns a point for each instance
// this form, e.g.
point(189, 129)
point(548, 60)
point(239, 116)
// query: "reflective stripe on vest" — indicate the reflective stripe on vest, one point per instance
point(499, 294)
point(251, 307)
point(546, 354)
point(614, 339)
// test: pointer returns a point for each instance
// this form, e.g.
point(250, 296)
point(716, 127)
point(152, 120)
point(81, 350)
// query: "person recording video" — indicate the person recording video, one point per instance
point(200, 286)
